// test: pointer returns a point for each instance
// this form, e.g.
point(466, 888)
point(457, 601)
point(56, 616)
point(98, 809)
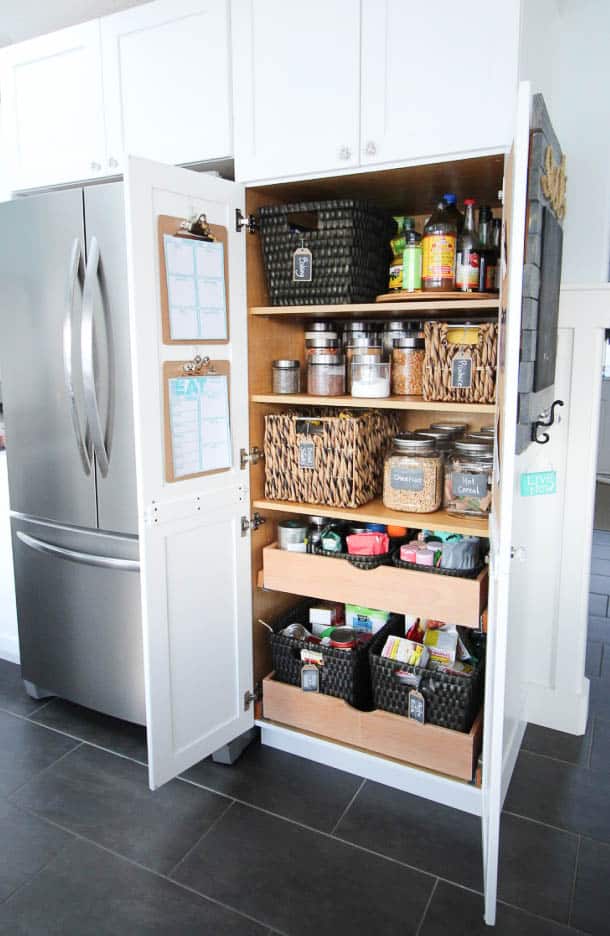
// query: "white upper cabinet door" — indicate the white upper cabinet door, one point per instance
point(296, 86)
point(52, 108)
point(437, 78)
point(167, 82)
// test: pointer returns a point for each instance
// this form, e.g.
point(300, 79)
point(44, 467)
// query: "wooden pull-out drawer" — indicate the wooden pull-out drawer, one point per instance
point(425, 594)
point(448, 752)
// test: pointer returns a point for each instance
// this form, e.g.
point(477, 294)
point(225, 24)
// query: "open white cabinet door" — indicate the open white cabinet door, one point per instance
point(507, 632)
point(195, 557)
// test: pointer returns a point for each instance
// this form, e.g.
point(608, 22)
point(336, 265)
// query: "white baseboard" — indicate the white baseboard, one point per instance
point(558, 710)
point(9, 648)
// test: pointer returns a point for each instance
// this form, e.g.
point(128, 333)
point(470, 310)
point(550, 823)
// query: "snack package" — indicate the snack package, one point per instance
point(368, 544)
point(365, 619)
point(442, 645)
point(325, 614)
point(405, 651)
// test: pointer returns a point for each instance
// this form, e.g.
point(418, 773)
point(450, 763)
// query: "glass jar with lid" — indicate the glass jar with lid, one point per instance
point(392, 331)
point(369, 377)
point(362, 346)
point(444, 444)
point(413, 475)
point(454, 429)
point(286, 376)
point(408, 366)
point(326, 374)
point(324, 342)
point(468, 479)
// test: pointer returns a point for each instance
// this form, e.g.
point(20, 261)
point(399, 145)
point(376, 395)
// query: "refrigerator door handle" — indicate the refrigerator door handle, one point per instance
point(87, 356)
point(74, 555)
point(83, 442)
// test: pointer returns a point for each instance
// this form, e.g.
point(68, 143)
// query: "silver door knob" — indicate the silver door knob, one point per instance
point(345, 152)
point(96, 166)
point(371, 148)
point(113, 163)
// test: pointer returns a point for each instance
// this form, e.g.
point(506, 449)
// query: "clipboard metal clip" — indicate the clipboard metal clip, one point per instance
point(198, 364)
point(197, 226)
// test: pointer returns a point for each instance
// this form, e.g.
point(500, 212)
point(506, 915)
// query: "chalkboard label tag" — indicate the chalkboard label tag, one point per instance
point(461, 373)
point(307, 451)
point(302, 266)
point(417, 706)
point(310, 678)
point(407, 479)
point(464, 484)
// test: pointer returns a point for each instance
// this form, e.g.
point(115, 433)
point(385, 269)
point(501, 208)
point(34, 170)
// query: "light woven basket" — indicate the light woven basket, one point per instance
point(438, 364)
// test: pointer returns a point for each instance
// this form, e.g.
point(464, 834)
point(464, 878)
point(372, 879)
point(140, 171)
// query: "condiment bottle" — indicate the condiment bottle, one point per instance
point(412, 262)
point(438, 247)
point(496, 235)
point(467, 260)
point(487, 256)
point(453, 211)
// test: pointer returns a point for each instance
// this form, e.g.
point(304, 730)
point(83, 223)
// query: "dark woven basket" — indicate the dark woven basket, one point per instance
point(435, 570)
point(349, 243)
point(345, 673)
point(451, 701)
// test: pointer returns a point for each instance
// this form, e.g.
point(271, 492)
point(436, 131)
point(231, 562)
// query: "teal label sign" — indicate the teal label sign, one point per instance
point(537, 483)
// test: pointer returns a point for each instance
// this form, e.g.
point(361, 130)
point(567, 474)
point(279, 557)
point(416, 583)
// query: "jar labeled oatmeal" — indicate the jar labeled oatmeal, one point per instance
point(408, 366)
point(468, 479)
point(413, 475)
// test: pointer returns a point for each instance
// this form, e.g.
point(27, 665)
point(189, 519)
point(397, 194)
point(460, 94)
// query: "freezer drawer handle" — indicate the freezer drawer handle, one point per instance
point(105, 562)
point(87, 356)
point(83, 444)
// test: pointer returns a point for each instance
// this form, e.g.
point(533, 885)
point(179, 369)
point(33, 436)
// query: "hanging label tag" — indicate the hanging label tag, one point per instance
point(307, 453)
point(461, 372)
point(310, 678)
point(302, 265)
point(417, 706)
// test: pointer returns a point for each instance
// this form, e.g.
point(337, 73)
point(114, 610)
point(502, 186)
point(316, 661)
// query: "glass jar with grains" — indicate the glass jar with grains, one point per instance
point(413, 475)
point(468, 478)
point(408, 366)
point(326, 374)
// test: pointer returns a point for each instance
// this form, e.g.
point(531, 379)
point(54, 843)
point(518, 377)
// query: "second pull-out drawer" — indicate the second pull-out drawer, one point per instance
point(425, 594)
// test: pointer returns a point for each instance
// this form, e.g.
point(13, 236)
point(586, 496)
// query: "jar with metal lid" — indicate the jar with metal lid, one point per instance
point(314, 532)
point(455, 429)
point(408, 366)
point(413, 475)
point(468, 479)
point(319, 326)
point(369, 377)
point(326, 374)
point(488, 431)
point(322, 343)
point(476, 436)
point(286, 376)
point(312, 335)
point(363, 346)
point(392, 331)
point(444, 444)
point(292, 535)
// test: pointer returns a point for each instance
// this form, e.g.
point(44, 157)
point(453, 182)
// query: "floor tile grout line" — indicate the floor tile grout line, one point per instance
point(347, 808)
point(40, 773)
point(427, 907)
point(39, 870)
point(204, 835)
point(590, 757)
point(573, 891)
point(155, 873)
point(545, 825)
point(557, 760)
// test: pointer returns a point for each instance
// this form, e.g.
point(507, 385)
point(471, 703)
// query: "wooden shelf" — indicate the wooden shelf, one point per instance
point(375, 512)
point(432, 308)
point(392, 402)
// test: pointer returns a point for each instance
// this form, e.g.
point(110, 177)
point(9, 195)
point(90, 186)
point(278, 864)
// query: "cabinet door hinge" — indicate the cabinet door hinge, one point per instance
point(252, 456)
point(252, 524)
point(241, 222)
point(250, 697)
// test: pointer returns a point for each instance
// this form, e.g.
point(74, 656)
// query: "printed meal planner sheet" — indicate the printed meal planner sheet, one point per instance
point(199, 423)
point(196, 289)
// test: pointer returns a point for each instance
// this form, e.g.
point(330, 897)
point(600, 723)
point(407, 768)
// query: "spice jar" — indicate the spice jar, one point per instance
point(468, 479)
point(370, 378)
point(326, 374)
point(408, 367)
point(286, 376)
point(412, 262)
point(413, 475)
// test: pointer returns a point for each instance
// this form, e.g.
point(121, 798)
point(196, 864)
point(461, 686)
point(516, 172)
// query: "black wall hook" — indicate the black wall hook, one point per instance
point(545, 437)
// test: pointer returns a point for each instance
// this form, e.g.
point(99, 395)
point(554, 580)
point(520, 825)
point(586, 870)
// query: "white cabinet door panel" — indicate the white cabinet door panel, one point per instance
point(195, 561)
point(167, 81)
point(296, 86)
point(437, 78)
point(52, 108)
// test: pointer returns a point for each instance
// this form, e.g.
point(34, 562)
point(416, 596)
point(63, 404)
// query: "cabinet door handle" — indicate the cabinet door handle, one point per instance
point(96, 167)
point(345, 152)
point(113, 163)
point(371, 148)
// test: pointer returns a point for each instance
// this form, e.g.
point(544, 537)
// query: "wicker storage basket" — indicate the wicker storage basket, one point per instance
point(344, 674)
point(349, 244)
point(320, 459)
point(451, 701)
point(469, 379)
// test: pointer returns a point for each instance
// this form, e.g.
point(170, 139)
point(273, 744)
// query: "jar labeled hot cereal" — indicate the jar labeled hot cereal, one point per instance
point(408, 367)
point(413, 475)
point(468, 479)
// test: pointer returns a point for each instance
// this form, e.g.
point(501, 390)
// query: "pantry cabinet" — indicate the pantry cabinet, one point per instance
point(212, 577)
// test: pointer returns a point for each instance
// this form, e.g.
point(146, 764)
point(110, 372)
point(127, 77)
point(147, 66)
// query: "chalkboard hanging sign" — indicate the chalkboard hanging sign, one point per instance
point(461, 372)
point(302, 266)
point(417, 706)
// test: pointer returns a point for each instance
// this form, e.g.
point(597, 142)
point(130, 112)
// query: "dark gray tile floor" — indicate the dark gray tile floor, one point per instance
point(277, 844)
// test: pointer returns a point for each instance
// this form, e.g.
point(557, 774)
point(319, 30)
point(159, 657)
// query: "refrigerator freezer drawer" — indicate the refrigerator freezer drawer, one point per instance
point(78, 605)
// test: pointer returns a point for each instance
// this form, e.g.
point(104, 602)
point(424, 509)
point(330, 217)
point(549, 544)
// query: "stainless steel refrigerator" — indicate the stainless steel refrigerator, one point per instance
point(65, 370)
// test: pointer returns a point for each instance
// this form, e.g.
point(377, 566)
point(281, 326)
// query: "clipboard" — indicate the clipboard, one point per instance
point(199, 367)
point(190, 230)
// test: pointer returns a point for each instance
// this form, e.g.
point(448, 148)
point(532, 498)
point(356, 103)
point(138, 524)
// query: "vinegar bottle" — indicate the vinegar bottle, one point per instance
point(438, 248)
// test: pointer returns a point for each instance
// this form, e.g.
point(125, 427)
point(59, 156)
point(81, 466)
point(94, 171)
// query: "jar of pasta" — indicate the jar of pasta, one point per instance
point(413, 475)
point(408, 366)
point(468, 479)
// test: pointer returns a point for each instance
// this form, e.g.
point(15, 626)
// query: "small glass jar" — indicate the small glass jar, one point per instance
point(314, 532)
point(320, 326)
point(392, 331)
point(369, 377)
point(468, 479)
point(408, 366)
point(286, 376)
point(475, 436)
point(413, 475)
point(444, 444)
point(412, 262)
point(322, 343)
point(352, 328)
point(326, 374)
point(456, 430)
point(361, 346)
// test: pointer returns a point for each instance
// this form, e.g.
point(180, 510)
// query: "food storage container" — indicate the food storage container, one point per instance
point(408, 366)
point(392, 331)
point(413, 475)
point(326, 374)
point(454, 429)
point(468, 479)
point(286, 376)
point(322, 343)
point(361, 346)
point(292, 535)
point(370, 378)
point(444, 442)
point(460, 363)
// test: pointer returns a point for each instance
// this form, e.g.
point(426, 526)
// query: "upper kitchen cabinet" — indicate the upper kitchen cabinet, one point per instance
point(296, 86)
point(437, 78)
point(167, 82)
point(52, 108)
